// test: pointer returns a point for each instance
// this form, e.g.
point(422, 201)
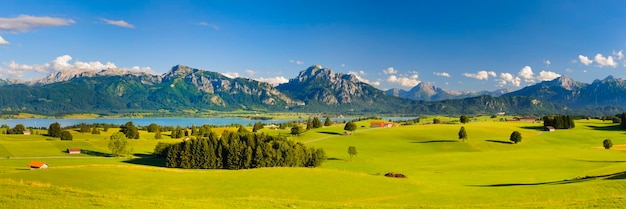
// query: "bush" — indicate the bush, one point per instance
point(395, 175)
point(66, 135)
point(607, 143)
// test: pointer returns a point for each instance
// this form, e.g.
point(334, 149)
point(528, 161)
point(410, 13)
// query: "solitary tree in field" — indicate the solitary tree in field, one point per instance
point(607, 143)
point(464, 119)
point(350, 126)
point(54, 130)
point(352, 151)
point(296, 130)
point(328, 122)
point(118, 143)
point(130, 130)
point(516, 137)
point(66, 135)
point(462, 134)
point(436, 121)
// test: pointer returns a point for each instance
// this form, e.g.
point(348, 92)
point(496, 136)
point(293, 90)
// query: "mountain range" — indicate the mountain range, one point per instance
point(315, 89)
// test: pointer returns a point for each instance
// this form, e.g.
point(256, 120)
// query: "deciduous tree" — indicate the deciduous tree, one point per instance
point(462, 134)
point(66, 135)
point(516, 137)
point(607, 143)
point(350, 126)
point(352, 151)
point(54, 130)
point(118, 143)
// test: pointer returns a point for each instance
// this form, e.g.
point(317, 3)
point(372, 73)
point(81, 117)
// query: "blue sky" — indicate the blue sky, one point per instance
point(460, 45)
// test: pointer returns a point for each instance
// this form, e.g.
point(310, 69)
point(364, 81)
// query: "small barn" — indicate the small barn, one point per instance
point(26, 132)
point(37, 165)
point(73, 150)
point(549, 128)
point(381, 124)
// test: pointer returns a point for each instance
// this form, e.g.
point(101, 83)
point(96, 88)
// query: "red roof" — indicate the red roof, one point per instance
point(36, 164)
point(73, 149)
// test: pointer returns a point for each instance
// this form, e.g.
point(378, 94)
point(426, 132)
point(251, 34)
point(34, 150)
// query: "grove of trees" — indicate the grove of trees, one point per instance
point(240, 151)
point(559, 121)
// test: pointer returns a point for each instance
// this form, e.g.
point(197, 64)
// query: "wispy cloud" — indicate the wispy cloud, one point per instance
point(297, 62)
point(547, 62)
point(25, 23)
point(206, 24)
point(231, 74)
point(442, 74)
point(120, 23)
point(251, 72)
point(480, 75)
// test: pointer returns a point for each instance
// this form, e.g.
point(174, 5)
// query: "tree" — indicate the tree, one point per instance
point(352, 151)
point(157, 134)
point(130, 130)
point(257, 126)
point(95, 130)
point(350, 126)
point(309, 124)
point(66, 135)
point(328, 122)
point(153, 127)
point(317, 123)
point(436, 121)
point(296, 130)
point(118, 143)
point(464, 119)
point(84, 128)
point(462, 134)
point(516, 137)
point(607, 143)
point(54, 130)
point(242, 129)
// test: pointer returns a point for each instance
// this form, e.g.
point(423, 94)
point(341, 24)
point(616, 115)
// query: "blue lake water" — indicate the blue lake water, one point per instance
point(36, 122)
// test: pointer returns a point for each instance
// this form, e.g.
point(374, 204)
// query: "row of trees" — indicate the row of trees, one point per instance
point(240, 151)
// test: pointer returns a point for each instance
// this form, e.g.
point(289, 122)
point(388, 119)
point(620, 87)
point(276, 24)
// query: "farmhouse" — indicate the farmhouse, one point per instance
point(73, 150)
point(549, 128)
point(37, 165)
point(26, 132)
point(381, 124)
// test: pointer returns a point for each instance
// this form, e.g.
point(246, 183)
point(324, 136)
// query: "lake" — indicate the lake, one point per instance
point(45, 122)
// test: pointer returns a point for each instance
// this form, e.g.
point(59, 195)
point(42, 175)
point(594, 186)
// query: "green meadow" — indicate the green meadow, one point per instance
point(561, 169)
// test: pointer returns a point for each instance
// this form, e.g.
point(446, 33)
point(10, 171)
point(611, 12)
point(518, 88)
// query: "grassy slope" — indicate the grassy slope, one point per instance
point(538, 172)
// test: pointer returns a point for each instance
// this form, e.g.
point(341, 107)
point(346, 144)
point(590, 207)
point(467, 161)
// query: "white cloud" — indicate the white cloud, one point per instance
point(442, 74)
point(547, 75)
point(527, 73)
point(605, 61)
point(231, 74)
point(619, 55)
point(62, 63)
point(275, 81)
point(2, 41)
point(509, 78)
point(297, 62)
point(250, 72)
point(120, 23)
point(480, 75)
point(404, 81)
point(25, 23)
point(358, 76)
point(585, 60)
point(206, 24)
point(548, 62)
point(343, 65)
point(375, 83)
point(569, 70)
point(390, 70)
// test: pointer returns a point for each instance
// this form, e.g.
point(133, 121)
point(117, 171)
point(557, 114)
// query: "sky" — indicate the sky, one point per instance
point(457, 45)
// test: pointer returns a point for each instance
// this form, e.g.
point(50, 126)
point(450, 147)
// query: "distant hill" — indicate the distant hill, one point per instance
point(426, 92)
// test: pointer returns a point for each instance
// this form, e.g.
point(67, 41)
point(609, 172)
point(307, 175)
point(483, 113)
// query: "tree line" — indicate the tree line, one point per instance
point(235, 150)
point(559, 121)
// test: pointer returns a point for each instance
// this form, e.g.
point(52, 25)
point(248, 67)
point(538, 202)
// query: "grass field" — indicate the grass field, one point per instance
point(562, 169)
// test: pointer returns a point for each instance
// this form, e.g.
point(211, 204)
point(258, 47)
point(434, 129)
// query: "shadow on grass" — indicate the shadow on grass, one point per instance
point(536, 128)
point(436, 141)
point(499, 141)
point(333, 158)
point(328, 132)
point(607, 128)
point(22, 169)
point(94, 153)
point(603, 161)
point(149, 161)
point(613, 176)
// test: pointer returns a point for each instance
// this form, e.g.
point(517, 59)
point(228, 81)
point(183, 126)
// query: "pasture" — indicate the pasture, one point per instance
point(562, 169)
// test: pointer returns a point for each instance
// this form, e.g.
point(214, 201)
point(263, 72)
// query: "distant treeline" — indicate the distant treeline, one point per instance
point(239, 151)
point(559, 121)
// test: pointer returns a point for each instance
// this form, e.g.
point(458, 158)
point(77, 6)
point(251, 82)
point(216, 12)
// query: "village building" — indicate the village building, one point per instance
point(549, 128)
point(37, 165)
point(26, 132)
point(381, 124)
point(73, 150)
